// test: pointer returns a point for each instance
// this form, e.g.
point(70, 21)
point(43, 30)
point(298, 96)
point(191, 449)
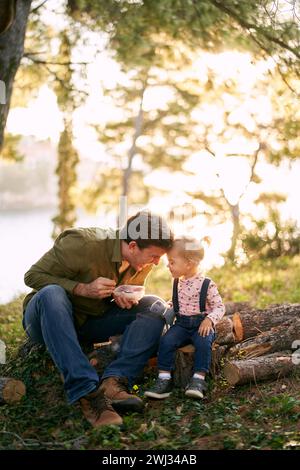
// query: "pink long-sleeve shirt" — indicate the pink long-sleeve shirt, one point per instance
point(188, 298)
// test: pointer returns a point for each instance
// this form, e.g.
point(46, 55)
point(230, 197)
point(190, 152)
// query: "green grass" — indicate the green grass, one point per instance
point(261, 283)
point(265, 416)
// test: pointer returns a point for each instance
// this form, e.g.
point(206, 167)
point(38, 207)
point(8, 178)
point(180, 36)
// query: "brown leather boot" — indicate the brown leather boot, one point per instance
point(98, 411)
point(116, 390)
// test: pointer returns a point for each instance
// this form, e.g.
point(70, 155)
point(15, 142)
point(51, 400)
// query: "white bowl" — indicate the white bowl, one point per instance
point(130, 291)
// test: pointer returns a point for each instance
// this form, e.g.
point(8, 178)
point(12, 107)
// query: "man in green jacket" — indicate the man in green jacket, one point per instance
point(73, 301)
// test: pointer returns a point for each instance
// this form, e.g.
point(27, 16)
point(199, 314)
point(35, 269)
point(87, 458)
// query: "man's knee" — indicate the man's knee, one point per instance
point(150, 322)
point(52, 291)
point(53, 295)
point(152, 305)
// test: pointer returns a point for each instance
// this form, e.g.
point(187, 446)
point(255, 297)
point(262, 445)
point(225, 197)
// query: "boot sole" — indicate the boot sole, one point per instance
point(112, 423)
point(159, 396)
point(194, 394)
point(130, 405)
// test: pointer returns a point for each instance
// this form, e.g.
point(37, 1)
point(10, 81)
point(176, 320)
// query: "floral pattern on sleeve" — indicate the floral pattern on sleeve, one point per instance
point(214, 305)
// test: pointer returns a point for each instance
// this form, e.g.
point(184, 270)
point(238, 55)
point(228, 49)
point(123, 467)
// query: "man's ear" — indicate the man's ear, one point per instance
point(132, 245)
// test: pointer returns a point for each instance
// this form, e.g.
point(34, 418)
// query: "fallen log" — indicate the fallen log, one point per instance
point(11, 390)
point(253, 322)
point(229, 330)
point(232, 307)
point(225, 332)
point(259, 369)
point(101, 357)
point(104, 353)
point(278, 338)
point(218, 353)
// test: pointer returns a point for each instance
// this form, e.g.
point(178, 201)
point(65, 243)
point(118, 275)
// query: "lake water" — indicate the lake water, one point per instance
point(24, 237)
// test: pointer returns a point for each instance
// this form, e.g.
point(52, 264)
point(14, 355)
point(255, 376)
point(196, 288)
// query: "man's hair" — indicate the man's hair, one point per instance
point(147, 229)
point(189, 248)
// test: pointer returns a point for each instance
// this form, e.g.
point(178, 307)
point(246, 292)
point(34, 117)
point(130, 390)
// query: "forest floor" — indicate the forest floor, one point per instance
point(256, 416)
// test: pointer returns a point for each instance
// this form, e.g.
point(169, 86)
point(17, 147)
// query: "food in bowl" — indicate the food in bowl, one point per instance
point(130, 291)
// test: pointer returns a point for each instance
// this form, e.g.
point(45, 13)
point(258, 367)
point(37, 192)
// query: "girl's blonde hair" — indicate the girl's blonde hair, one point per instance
point(189, 248)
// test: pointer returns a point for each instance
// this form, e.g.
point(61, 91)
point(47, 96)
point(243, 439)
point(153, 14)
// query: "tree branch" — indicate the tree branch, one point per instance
point(247, 25)
point(28, 55)
point(218, 174)
point(35, 9)
point(252, 170)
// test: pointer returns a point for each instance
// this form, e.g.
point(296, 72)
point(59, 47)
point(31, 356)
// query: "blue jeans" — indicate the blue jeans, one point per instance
point(183, 332)
point(49, 320)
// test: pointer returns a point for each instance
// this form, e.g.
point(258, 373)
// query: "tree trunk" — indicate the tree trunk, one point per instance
point(11, 390)
point(138, 128)
point(11, 50)
point(254, 322)
point(184, 363)
point(235, 217)
point(235, 208)
point(262, 368)
point(277, 339)
point(68, 160)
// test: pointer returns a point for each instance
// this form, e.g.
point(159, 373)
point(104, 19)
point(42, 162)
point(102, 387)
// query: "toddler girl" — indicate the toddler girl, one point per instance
point(195, 323)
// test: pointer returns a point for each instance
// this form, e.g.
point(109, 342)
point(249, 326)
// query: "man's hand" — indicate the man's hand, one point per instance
point(123, 301)
point(98, 289)
point(206, 327)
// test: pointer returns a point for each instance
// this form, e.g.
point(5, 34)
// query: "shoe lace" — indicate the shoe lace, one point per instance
point(161, 384)
point(200, 384)
point(123, 384)
point(99, 403)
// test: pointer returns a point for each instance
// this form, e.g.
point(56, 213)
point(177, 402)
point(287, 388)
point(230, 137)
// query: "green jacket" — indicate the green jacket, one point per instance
point(82, 255)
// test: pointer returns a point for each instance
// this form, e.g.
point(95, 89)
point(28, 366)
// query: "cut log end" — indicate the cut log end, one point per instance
point(262, 368)
point(237, 327)
point(231, 372)
point(11, 390)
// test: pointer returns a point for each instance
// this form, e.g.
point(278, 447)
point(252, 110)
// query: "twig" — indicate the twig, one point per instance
point(38, 7)
point(15, 435)
point(39, 61)
point(35, 443)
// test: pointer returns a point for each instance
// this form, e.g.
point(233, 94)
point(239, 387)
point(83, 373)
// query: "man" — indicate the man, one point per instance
point(73, 300)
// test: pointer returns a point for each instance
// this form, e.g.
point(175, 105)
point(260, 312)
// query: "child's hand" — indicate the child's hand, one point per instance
point(206, 327)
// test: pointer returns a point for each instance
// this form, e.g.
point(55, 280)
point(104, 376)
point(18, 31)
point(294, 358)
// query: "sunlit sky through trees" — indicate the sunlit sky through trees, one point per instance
point(42, 119)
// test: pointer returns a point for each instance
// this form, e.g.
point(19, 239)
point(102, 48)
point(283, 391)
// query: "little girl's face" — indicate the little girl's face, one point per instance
point(178, 266)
